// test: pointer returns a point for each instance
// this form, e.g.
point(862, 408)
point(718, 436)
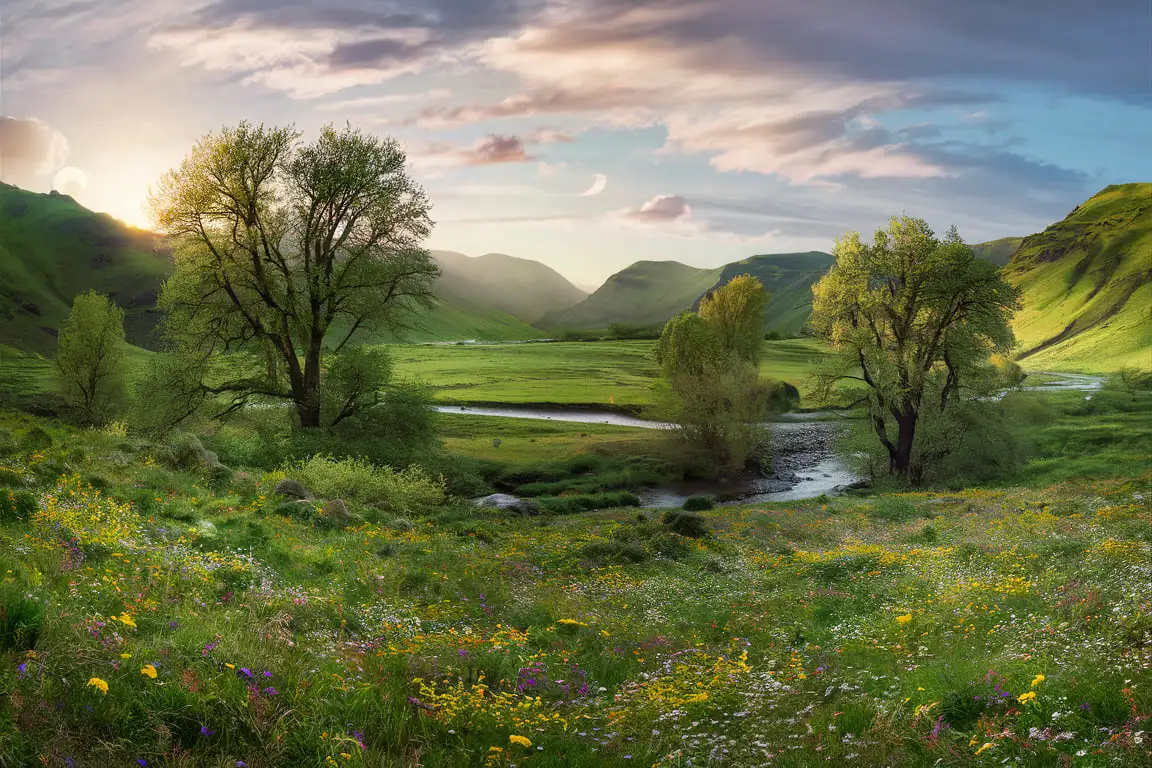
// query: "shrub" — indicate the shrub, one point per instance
point(403, 491)
point(7, 443)
point(10, 477)
point(566, 505)
point(685, 524)
point(21, 618)
point(700, 502)
point(35, 439)
point(16, 505)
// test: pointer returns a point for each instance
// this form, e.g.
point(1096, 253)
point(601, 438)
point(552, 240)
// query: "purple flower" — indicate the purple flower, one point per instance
point(70, 762)
point(267, 673)
point(1086, 706)
point(22, 668)
point(269, 691)
point(141, 761)
point(206, 731)
point(245, 672)
point(241, 764)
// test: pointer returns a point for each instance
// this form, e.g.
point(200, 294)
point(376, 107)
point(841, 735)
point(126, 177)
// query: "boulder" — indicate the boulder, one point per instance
point(509, 503)
point(291, 489)
point(337, 511)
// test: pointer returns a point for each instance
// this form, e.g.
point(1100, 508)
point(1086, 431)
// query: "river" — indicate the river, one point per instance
point(804, 459)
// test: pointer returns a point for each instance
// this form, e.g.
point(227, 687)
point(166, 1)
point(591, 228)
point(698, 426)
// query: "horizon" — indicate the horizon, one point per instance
point(590, 135)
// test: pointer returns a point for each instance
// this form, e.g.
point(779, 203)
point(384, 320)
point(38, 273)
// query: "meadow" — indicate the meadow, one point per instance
point(601, 373)
point(159, 611)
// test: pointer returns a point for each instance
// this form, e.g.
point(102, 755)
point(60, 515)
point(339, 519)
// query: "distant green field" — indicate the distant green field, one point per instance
point(528, 441)
point(608, 373)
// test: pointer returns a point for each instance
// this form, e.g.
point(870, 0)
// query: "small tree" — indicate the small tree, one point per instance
point(89, 352)
point(285, 252)
point(709, 361)
point(916, 319)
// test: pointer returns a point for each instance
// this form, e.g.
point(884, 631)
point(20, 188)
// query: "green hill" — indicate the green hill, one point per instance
point(456, 319)
point(788, 277)
point(1087, 284)
point(52, 248)
point(998, 251)
point(646, 293)
point(652, 292)
point(521, 287)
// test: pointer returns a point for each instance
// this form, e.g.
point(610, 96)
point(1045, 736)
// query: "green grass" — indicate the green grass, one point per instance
point(1087, 284)
point(868, 630)
point(528, 441)
point(606, 374)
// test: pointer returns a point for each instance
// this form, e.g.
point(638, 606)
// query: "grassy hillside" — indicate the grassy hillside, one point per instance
point(523, 288)
point(456, 319)
point(646, 293)
point(788, 277)
point(1087, 284)
point(998, 251)
point(52, 248)
point(652, 292)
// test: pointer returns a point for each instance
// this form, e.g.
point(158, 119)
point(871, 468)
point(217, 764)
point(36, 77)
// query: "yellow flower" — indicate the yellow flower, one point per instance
point(1024, 698)
point(521, 740)
point(98, 684)
point(230, 666)
point(346, 755)
point(571, 623)
point(902, 620)
point(148, 670)
point(125, 655)
point(987, 745)
point(1037, 680)
point(495, 749)
point(126, 620)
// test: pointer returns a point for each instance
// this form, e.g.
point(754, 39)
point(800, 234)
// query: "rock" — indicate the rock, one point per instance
point(337, 511)
point(291, 489)
point(509, 503)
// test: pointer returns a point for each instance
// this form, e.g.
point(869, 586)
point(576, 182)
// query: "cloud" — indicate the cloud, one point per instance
point(550, 170)
point(547, 135)
point(30, 152)
point(493, 149)
point(662, 209)
point(388, 100)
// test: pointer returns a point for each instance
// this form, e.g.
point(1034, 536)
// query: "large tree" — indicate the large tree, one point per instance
point(916, 319)
point(89, 351)
point(710, 363)
point(287, 251)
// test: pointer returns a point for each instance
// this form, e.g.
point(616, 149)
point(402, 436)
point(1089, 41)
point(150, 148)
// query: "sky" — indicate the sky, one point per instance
point(589, 134)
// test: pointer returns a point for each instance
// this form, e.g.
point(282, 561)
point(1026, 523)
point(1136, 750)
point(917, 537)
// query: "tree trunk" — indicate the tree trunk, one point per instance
point(308, 397)
point(900, 455)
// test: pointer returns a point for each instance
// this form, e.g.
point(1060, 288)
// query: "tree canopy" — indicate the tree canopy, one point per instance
point(285, 253)
point(709, 360)
point(89, 350)
point(916, 319)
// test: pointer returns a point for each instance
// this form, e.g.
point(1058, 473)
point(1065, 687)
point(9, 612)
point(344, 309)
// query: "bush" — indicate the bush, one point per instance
point(685, 524)
point(700, 502)
point(16, 505)
point(35, 439)
point(21, 619)
point(403, 491)
point(7, 443)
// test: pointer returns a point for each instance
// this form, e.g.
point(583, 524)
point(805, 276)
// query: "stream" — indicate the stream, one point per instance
point(803, 444)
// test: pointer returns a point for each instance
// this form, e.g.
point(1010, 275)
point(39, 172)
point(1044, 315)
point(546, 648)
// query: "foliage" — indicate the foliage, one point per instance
point(709, 361)
point(21, 619)
point(75, 514)
point(699, 502)
point(402, 491)
point(285, 252)
point(915, 319)
point(686, 523)
point(1131, 380)
point(89, 354)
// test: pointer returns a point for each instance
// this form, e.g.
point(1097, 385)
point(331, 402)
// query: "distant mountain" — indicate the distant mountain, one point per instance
point(646, 293)
point(52, 248)
point(523, 288)
point(1087, 285)
point(652, 292)
point(788, 278)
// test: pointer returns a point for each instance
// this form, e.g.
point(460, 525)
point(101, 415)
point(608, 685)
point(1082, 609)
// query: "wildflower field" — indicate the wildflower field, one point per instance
point(164, 617)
